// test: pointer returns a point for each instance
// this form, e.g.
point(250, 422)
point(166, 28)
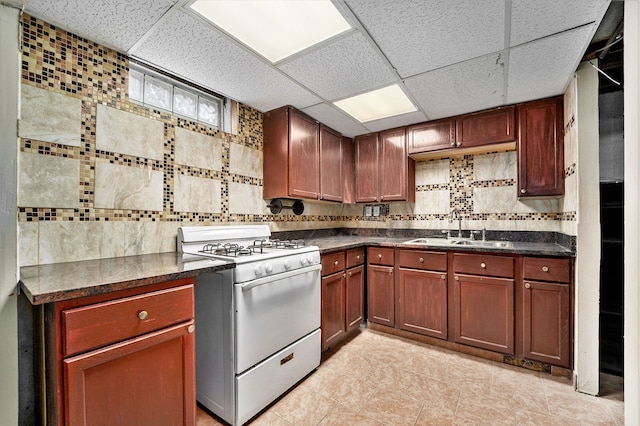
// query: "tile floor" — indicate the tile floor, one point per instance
point(378, 379)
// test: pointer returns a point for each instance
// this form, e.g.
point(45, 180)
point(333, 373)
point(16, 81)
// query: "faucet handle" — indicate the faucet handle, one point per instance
point(484, 234)
point(447, 232)
point(473, 234)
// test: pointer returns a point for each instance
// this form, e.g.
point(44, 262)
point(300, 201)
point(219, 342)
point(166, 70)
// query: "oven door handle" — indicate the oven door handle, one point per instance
point(267, 280)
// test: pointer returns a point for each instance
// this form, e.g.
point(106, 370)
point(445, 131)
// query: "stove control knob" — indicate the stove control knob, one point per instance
point(269, 268)
point(287, 264)
point(259, 270)
point(303, 260)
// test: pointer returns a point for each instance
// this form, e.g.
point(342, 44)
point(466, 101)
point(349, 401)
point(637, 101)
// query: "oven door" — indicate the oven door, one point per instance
point(273, 312)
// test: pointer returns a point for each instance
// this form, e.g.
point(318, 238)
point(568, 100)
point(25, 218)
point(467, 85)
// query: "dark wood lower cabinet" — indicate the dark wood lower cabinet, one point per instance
point(355, 297)
point(546, 322)
point(484, 312)
point(423, 302)
point(333, 308)
point(148, 380)
point(381, 294)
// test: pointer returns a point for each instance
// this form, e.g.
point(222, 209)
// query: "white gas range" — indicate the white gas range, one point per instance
point(258, 325)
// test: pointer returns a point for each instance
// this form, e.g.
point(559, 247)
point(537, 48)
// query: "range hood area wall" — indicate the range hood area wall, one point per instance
point(101, 176)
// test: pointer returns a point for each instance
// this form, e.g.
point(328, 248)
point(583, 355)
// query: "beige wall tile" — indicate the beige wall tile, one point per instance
point(198, 150)
point(28, 243)
point(245, 161)
point(432, 202)
point(247, 199)
point(194, 194)
point(538, 206)
point(124, 187)
point(150, 237)
point(498, 166)
point(71, 241)
point(47, 181)
point(432, 172)
point(126, 133)
point(495, 200)
point(49, 116)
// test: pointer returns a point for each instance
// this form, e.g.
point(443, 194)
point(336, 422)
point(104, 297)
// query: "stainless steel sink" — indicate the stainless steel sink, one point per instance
point(459, 242)
point(432, 241)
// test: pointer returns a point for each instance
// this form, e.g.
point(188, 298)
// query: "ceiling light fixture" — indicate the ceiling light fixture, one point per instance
point(382, 103)
point(275, 29)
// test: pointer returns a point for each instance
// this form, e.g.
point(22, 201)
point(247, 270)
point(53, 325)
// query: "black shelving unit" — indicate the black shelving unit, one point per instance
point(612, 278)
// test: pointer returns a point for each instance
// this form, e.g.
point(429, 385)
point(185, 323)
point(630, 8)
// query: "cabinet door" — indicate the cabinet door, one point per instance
point(546, 322)
point(431, 136)
point(422, 302)
point(393, 165)
point(483, 312)
point(381, 294)
point(331, 179)
point(366, 168)
point(355, 297)
point(541, 148)
point(332, 315)
point(348, 171)
point(147, 380)
point(303, 155)
point(486, 128)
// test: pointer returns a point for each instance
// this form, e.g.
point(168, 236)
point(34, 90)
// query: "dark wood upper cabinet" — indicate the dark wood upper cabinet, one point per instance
point(431, 136)
point(331, 167)
point(541, 148)
point(484, 128)
point(384, 172)
point(348, 171)
point(291, 154)
point(366, 168)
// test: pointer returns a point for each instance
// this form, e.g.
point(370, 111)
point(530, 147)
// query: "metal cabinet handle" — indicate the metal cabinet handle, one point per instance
point(457, 278)
point(527, 285)
point(358, 257)
point(483, 265)
point(545, 269)
point(191, 328)
point(350, 273)
point(379, 256)
point(344, 275)
point(143, 315)
point(421, 260)
point(443, 277)
point(523, 191)
point(336, 263)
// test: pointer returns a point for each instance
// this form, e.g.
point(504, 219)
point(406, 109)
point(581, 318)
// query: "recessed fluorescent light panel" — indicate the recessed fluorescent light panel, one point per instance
point(381, 103)
point(275, 29)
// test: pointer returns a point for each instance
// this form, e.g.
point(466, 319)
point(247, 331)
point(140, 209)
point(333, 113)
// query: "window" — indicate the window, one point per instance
point(153, 89)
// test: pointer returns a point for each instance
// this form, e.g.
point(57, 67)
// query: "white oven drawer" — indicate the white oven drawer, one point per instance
point(261, 385)
point(274, 313)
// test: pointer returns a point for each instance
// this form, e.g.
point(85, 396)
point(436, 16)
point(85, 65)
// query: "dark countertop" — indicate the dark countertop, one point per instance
point(342, 242)
point(62, 281)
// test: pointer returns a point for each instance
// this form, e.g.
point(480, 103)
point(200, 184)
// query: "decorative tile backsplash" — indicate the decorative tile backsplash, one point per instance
point(103, 176)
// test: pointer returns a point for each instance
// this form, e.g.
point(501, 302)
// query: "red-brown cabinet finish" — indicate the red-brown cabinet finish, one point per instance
point(485, 128)
point(291, 154)
point(348, 171)
point(431, 136)
point(541, 148)
point(380, 285)
point(422, 301)
point(331, 167)
point(354, 314)
point(148, 380)
point(366, 168)
point(333, 305)
point(484, 312)
point(396, 171)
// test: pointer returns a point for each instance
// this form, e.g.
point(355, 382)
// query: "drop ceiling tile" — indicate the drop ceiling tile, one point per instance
point(335, 119)
point(397, 121)
point(422, 35)
point(203, 55)
point(329, 71)
point(533, 19)
point(457, 89)
point(114, 23)
point(543, 68)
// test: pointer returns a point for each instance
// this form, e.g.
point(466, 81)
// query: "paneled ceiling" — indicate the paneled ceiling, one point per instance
point(450, 57)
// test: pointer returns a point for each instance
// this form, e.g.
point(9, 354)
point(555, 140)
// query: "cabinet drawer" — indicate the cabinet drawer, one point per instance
point(355, 257)
point(89, 327)
point(380, 256)
point(332, 263)
point(416, 259)
point(547, 269)
point(483, 264)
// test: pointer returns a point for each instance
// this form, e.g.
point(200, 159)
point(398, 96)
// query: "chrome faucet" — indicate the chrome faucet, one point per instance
point(451, 217)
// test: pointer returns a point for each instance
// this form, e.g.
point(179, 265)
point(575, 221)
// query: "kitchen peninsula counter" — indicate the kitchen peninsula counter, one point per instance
point(63, 281)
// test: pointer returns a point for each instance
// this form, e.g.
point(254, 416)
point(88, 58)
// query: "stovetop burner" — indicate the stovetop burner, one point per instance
point(258, 247)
